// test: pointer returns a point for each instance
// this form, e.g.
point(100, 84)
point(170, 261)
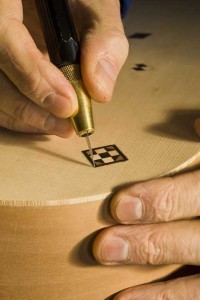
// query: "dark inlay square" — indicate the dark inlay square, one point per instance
point(139, 35)
point(105, 155)
point(140, 67)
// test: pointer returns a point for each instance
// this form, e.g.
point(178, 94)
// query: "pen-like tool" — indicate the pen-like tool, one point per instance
point(64, 52)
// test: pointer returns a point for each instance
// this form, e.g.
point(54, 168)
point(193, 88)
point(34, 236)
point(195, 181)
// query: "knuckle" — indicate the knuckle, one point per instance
point(165, 202)
point(114, 38)
point(124, 42)
point(6, 27)
point(31, 86)
point(22, 112)
point(3, 26)
point(166, 294)
point(118, 38)
point(3, 48)
point(153, 249)
point(29, 80)
point(12, 124)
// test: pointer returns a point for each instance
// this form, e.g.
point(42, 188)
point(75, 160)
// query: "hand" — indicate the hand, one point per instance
point(160, 228)
point(35, 95)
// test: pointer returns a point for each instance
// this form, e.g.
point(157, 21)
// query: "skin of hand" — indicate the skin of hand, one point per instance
point(35, 95)
point(159, 225)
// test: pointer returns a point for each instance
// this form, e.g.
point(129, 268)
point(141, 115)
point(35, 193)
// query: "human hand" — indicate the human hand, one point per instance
point(35, 95)
point(160, 227)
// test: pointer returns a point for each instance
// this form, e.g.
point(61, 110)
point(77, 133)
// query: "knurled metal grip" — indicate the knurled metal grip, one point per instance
point(82, 119)
point(72, 73)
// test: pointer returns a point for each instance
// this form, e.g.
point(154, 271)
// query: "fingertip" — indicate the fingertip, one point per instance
point(121, 296)
point(126, 208)
point(66, 131)
point(98, 245)
point(95, 248)
point(111, 249)
point(60, 127)
point(61, 106)
point(62, 100)
point(113, 205)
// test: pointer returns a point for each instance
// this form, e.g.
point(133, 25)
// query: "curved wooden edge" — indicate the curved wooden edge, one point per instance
point(72, 201)
point(190, 165)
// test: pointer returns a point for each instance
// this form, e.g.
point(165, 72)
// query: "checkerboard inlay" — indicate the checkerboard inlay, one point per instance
point(105, 155)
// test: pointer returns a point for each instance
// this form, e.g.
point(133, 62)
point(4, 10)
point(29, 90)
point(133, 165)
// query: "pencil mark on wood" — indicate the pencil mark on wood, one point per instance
point(105, 155)
point(139, 35)
point(140, 67)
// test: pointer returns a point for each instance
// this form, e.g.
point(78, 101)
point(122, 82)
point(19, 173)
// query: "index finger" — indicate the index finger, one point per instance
point(158, 200)
point(28, 69)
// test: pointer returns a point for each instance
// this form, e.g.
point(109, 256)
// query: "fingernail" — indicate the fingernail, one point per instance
point(49, 100)
point(59, 105)
point(115, 250)
point(106, 74)
point(50, 123)
point(129, 209)
point(197, 126)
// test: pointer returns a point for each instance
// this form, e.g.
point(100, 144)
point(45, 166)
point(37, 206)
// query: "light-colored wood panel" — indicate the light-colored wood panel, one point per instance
point(45, 253)
point(150, 118)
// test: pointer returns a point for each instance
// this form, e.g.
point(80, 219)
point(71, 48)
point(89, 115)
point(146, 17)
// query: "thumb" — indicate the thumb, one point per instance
point(104, 48)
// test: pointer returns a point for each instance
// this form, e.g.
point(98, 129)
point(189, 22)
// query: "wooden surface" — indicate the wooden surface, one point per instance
point(45, 253)
point(150, 118)
point(53, 202)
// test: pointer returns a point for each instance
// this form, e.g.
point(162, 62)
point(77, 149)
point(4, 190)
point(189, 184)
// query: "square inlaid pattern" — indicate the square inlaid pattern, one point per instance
point(105, 155)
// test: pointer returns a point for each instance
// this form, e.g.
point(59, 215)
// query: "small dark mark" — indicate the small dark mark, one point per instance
point(139, 67)
point(139, 35)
